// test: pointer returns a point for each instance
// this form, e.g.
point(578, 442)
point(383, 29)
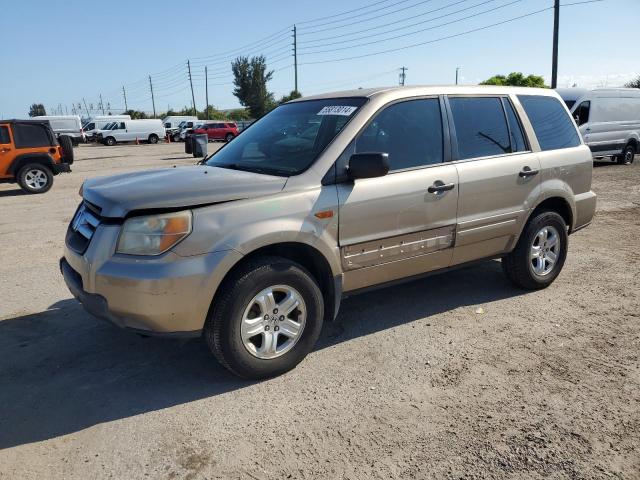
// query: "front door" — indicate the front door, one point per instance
point(401, 224)
point(498, 175)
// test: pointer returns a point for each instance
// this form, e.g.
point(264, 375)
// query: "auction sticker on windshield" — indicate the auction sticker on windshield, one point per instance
point(337, 110)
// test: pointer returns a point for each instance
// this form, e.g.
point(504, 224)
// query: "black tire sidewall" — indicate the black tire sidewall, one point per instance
point(35, 166)
point(153, 138)
point(110, 141)
point(228, 319)
point(229, 137)
point(624, 155)
point(533, 227)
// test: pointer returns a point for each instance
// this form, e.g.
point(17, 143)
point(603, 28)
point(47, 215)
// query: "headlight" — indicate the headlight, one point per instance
point(154, 234)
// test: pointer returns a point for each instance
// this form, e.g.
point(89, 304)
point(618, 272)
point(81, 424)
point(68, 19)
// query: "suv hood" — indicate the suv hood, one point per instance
point(118, 195)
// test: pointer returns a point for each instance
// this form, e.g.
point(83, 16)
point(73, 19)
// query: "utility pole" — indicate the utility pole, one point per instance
point(153, 100)
point(457, 70)
point(556, 28)
point(85, 107)
point(403, 75)
point(295, 57)
point(66, 109)
point(206, 92)
point(101, 104)
point(124, 94)
point(193, 98)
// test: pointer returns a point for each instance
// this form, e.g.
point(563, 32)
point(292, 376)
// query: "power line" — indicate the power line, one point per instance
point(366, 19)
point(415, 32)
point(344, 13)
point(386, 24)
point(429, 41)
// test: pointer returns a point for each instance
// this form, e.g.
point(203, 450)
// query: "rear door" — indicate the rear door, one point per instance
point(498, 174)
point(401, 224)
point(7, 150)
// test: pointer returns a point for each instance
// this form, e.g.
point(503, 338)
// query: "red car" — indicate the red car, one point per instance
point(219, 130)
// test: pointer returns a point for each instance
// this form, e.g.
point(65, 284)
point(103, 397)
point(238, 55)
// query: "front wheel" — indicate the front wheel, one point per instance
point(628, 155)
point(153, 138)
point(110, 141)
point(266, 318)
point(540, 252)
point(35, 178)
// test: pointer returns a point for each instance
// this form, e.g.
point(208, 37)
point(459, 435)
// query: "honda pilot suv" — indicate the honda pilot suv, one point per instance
point(327, 196)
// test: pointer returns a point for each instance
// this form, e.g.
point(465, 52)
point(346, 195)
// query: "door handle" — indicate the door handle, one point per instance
point(528, 172)
point(442, 187)
point(5, 150)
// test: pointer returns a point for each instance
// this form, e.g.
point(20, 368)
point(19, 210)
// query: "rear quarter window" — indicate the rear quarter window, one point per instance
point(551, 122)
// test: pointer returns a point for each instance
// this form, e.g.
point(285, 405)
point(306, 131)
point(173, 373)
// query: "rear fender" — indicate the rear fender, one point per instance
point(26, 158)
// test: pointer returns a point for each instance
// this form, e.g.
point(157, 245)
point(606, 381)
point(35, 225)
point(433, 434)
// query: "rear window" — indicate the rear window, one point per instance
point(4, 135)
point(551, 122)
point(32, 135)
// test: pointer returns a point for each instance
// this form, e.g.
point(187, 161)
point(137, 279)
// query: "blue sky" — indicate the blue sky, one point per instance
point(62, 52)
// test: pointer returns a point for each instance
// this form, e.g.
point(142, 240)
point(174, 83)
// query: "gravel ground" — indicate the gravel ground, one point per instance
point(455, 376)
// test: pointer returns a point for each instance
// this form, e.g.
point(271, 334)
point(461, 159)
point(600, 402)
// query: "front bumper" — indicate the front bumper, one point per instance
point(166, 295)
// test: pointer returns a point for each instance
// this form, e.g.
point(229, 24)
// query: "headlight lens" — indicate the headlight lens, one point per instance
point(154, 234)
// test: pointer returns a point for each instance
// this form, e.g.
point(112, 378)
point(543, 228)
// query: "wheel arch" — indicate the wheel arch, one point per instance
point(558, 204)
point(308, 257)
point(21, 160)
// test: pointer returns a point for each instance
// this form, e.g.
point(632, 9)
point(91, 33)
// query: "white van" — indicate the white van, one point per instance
point(99, 122)
point(66, 125)
point(609, 121)
point(172, 122)
point(150, 130)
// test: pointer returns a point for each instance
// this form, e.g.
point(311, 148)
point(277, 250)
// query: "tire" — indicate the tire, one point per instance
point(528, 271)
point(153, 138)
point(66, 142)
point(628, 155)
point(110, 141)
point(175, 138)
point(226, 331)
point(229, 137)
point(35, 178)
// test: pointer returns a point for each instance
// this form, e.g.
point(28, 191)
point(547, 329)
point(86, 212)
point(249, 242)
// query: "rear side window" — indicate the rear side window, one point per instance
point(410, 132)
point(518, 143)
point(32, 135)
point(551, 122)
point(481, 126)
point(4, 135)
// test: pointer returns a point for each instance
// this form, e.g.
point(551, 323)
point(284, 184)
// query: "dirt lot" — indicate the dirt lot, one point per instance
point(455, 376)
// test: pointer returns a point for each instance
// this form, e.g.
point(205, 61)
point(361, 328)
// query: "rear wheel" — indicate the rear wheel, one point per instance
point(266, 318)
point(540, 252)
point(229, 137)
point(628, 155)
point(153, 138)
point(35, 178)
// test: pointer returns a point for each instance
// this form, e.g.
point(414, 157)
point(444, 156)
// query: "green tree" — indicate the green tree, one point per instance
point(136, 114)
point(516, 79)
point(250, 77)
point(292, 96)
point(37, 110)
point(635, 83)
point(239, 114)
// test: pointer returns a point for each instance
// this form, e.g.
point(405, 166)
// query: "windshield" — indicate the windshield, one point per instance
point(288, 140)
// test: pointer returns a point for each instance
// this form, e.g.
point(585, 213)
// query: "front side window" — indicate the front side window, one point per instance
point(288, 139)
point(481, 127)
point(410, 132)
point(551, 122)
point(5, 139)
point(89, 126)
point(122, 126)
point(581, 114)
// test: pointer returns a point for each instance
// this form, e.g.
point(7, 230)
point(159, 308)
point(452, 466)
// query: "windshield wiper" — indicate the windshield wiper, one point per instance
point(247, 168)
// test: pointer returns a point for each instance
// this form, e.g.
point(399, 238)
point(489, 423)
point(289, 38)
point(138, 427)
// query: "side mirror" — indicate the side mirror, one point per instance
point(368, 165)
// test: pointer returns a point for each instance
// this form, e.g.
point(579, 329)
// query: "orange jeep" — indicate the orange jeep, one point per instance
point(31, 155)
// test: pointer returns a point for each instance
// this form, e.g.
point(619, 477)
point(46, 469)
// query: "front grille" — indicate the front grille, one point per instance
point(82, 227)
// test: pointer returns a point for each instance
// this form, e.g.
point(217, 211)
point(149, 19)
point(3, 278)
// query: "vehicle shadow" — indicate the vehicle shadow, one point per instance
point(62, 370)
point(12, 193)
